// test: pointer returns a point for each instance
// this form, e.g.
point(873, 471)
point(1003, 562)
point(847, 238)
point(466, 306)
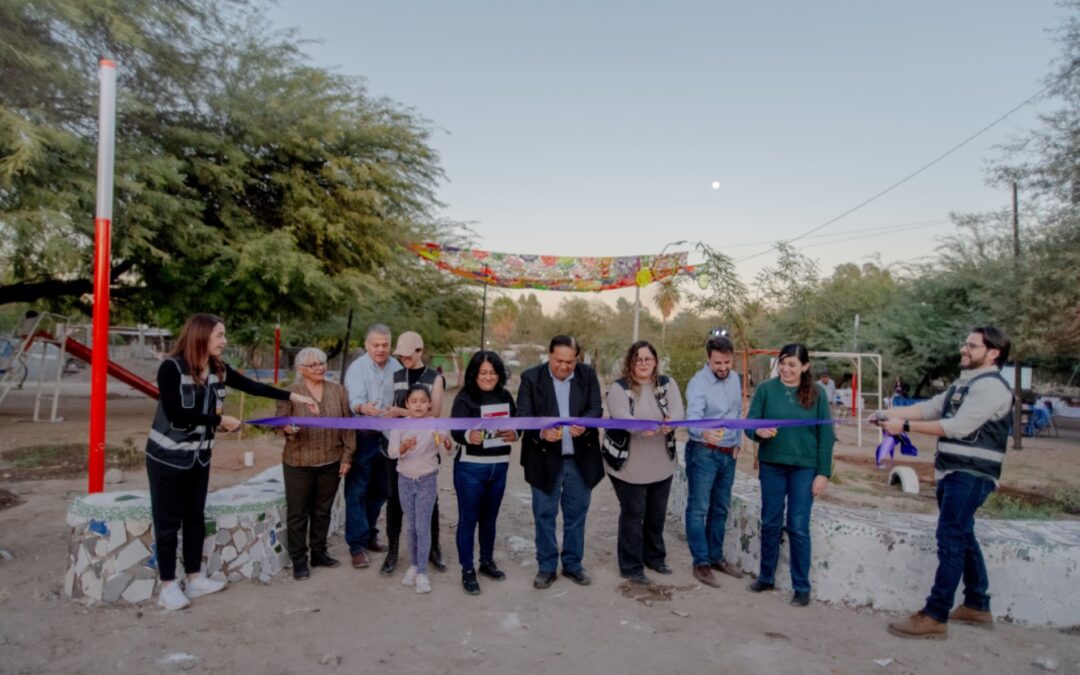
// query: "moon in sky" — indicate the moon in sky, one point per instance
point(716, 185)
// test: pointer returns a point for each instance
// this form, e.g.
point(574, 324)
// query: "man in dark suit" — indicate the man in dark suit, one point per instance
point(562, 465)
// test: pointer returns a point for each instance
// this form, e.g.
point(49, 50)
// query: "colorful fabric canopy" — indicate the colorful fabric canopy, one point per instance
point(551, 272)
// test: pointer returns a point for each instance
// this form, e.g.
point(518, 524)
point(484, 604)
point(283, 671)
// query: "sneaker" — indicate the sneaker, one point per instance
point(919, 625)
point(469, 583)
point(972, 617)
point(423, 583)
point(202, 585)
point(727, 568)
point(410, 576)
point(171, 597)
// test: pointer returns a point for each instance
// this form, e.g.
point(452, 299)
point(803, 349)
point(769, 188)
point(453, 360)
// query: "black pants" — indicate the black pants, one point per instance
point(393, 511)
point(642, 512)
point(309, 495)
point(178, 499)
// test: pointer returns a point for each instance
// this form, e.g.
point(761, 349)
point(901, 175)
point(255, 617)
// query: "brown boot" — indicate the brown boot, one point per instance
point(727, 568)
point(703, 573)
point(919, 625)
point(973, 617)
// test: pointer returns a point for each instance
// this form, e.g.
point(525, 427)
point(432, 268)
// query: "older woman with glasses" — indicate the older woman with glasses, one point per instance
point(643, 481)
point(313, 462)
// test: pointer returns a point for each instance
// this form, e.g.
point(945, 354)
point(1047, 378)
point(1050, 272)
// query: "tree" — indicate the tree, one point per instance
point(667, 298)
point(531, 325)
point(503, 318)
point(248, 182)
point(725, 294)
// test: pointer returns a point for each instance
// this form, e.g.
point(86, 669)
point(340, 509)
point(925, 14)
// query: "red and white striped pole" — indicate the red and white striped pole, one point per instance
point(99, 362)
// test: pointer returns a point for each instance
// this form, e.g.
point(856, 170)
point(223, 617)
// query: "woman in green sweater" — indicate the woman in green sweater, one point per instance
point(794, 465)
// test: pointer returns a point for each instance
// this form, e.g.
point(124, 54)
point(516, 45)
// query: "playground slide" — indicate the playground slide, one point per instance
point(84, 353)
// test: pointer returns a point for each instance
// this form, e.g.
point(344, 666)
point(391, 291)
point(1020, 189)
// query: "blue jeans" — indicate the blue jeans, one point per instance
point(573, 495)
point(959, 495)
point(782, 483)
point(417, 497)
point(480, 489)
point(709, 477)
point(365, 492)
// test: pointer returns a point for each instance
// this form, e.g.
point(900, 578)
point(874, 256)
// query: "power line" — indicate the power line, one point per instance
point(882, 230)
point(924, 167)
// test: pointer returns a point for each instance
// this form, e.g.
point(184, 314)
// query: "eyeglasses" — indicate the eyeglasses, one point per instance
point(970, 345)
point(647, 361)
point(316, 364)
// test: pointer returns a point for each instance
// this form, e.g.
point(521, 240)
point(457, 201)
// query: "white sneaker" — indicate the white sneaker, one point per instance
point(410, 576)
point(423, 583)
point(202, 585)
point(171, 597)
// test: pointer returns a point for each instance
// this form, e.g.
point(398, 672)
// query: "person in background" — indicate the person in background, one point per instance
point(830, 386)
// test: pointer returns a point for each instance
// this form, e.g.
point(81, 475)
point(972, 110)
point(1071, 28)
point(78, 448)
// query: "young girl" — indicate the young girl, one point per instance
point(417, 453)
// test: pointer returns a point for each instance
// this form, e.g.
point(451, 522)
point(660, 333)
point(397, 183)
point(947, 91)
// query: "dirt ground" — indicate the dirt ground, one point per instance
point(347, 620)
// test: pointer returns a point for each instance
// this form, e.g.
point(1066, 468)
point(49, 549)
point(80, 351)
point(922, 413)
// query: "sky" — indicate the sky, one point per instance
point(600, 128)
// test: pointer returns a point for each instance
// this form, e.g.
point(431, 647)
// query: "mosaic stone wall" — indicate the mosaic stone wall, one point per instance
point(112, 556)
point(886, 560)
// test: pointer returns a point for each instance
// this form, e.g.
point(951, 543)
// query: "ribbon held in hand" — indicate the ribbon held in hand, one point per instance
point(522, 423)
point(888, 446)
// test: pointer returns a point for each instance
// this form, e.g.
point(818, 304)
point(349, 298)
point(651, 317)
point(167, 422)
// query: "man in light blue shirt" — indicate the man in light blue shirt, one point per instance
point(369, 382)
point(714, 392)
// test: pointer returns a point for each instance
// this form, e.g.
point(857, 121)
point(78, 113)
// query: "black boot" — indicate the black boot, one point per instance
point(435, 557)
point(390, 561)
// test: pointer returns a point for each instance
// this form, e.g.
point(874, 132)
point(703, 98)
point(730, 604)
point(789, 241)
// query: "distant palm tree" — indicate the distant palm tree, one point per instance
point(666, 299)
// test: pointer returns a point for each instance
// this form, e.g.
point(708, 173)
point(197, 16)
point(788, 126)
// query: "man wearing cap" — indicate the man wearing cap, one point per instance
point(410, 351)
point(369, 381)
point(972, 422)
point(714, 392)
point(562, 464)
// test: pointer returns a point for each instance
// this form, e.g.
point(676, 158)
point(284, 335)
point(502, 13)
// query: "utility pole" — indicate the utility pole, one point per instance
point(1018, 403)
point(483, 319)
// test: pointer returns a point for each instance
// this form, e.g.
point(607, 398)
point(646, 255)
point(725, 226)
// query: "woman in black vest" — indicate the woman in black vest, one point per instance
point(192, 384)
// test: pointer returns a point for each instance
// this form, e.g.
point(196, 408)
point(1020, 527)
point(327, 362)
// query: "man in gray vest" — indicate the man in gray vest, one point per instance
point(971, 420)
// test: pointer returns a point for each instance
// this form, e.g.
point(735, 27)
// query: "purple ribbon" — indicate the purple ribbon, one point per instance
point(521, 423)
point(888, 446)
